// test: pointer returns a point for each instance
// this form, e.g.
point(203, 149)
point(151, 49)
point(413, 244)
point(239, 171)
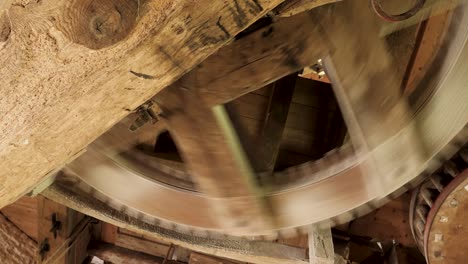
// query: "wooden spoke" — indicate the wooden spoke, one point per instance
point(275, 122)
point(368, 91)
point(249, 63)
point(214, 156)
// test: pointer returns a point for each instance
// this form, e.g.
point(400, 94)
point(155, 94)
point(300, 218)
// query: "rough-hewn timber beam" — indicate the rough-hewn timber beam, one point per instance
point(120, 255)
point(286, 46)
point(72, 69)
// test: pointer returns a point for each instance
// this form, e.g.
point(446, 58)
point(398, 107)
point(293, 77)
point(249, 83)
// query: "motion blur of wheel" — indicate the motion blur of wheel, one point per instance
point(155, 175)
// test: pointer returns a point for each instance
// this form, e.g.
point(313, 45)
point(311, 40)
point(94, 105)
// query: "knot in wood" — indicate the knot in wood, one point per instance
point(99, 24)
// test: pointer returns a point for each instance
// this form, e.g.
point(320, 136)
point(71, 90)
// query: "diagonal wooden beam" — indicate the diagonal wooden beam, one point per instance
point(72, 69)
point(275, 122)
point(368, 91)
point(213, 153)
point(286, 46)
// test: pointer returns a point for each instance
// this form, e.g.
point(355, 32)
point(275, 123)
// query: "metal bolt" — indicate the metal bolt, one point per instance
point(147, 112)
point(453, 203)
point(44, 248)
point(56, 225)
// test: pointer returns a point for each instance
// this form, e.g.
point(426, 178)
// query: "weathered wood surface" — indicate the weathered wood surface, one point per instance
point(69, 244)
point(72, 69)
point(23, 213)
point(321, 245)
point(196, 258)
point(269, 140)
point(365, 83)
point(214, 155)
point(119, 255)
point(15, 246)
point(258, 59)
point(205, 139)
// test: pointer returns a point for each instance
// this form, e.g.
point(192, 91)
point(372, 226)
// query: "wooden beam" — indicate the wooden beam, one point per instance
point(213, 153)
point(274, 124)
point(196, 258)
point(368, 91)
point(72, 69)
point(66, 245)
point(119, 255)
point(258, 59)
point(15, 246)
point(321, 245)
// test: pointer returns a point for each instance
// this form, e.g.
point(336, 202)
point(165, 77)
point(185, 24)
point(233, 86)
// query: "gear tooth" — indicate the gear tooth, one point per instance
point(464, 154)
point(419, 228)
point(422, 211)
point(451, 169)
point(437, 182)
point(426, 195)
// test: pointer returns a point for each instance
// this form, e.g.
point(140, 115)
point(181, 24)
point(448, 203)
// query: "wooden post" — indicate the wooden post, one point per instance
point(63, 233)
point(321, 245)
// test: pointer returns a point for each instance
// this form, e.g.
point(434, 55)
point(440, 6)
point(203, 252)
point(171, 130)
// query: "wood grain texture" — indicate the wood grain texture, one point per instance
point(214, 155)
point(23, 214)
point(258, 59)
point(120, 255)
point(196, 258)
point(72, 69)
point(15, 246)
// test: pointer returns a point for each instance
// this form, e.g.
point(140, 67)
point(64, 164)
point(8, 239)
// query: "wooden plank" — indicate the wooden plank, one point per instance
point(90, 63)
point(141, 245)
point(274, 124)
point(66, 246)
point(365, 84)
point(196, 258)
point(389, 222)
point(212, 151)
point(257, 59)
point(23, 213)
point(118, 255)
point(108, 233)
point(430, 40)
point(321, 245)
point(15, 246)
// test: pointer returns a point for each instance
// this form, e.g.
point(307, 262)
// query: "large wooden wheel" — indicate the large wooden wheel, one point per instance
point(228, 186)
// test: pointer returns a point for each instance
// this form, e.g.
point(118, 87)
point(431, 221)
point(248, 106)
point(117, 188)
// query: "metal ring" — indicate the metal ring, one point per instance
point(377, 6)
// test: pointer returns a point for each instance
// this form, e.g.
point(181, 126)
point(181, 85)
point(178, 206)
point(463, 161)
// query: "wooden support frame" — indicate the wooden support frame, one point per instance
point(67, 244)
